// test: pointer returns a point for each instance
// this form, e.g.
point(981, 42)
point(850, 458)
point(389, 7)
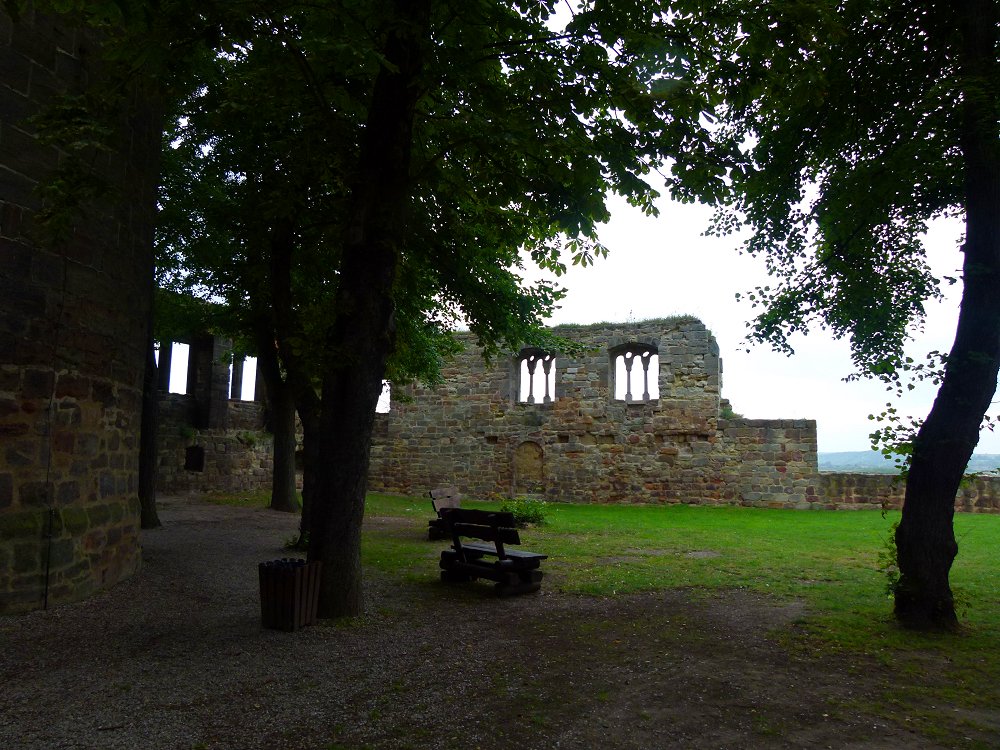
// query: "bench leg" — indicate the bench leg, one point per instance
point(522, 582)
point(521, 587)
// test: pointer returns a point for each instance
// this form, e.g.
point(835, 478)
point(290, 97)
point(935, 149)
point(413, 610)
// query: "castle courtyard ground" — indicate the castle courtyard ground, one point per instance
point(175, 657)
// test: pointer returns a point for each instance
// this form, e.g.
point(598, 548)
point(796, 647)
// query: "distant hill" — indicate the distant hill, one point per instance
point(870, 462)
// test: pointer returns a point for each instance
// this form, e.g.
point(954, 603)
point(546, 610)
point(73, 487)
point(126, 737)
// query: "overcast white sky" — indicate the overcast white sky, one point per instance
point(663, 266)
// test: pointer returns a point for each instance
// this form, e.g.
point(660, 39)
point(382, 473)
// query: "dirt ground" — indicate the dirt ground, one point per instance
point(176, 658)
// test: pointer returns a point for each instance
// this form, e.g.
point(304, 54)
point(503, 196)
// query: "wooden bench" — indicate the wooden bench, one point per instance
point(514, 571)
point(441, 498)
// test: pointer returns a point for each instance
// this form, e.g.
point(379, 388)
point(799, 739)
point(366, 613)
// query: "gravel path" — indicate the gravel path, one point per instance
point(176, 658)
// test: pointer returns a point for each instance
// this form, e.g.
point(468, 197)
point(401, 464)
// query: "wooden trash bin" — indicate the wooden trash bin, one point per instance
point(289, 592)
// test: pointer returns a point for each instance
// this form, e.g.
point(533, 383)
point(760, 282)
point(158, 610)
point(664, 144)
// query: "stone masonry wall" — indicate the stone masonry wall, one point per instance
point(236, 459)
point(844, 491)
point(769, 462)
point(73, 320)
point(585, 446)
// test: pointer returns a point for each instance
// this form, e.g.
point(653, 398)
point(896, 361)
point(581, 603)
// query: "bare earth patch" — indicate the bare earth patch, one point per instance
point(176, 658)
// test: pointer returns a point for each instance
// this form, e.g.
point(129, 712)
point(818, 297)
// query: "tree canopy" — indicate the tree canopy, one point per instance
point(398, 158)
point(836, 131)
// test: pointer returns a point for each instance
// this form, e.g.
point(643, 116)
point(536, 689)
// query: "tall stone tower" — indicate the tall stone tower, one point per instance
point(73, 326)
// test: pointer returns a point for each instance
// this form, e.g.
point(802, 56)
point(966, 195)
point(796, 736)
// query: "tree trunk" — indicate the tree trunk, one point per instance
point(925, 540)
point(363, 331)
point(309, 414)
point(281, 408)
point(277, 328)
point(148, 518)
point(283, 490)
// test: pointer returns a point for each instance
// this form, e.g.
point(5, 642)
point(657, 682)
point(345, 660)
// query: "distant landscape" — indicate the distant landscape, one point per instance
point(870, 462)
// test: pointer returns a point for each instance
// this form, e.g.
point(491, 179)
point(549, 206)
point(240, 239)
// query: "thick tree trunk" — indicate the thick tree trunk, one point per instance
point(148, 517)
point(925, 540)
point(363, 332)
point(335, 535)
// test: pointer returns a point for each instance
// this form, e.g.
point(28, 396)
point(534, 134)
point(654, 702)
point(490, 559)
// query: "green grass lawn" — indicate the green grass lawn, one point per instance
point(829, 559)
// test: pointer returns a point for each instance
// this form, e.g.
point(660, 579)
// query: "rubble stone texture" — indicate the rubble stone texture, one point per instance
point(587, 446)
point(237, 459)
point(474, 432)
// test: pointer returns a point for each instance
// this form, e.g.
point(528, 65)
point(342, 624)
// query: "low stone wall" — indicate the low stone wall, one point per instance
point(851, 491)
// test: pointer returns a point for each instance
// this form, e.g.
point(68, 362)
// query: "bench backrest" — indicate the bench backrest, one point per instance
point(445, 497)
point(481, 517)
point(502, 534)
point(488, 525)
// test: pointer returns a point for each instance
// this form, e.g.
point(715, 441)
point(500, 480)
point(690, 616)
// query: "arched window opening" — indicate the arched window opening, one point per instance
point(637, 373)
point(537, 376)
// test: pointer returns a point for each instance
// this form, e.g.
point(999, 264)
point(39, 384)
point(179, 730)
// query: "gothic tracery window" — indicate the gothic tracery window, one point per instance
point(636, 373)
point(537, 376)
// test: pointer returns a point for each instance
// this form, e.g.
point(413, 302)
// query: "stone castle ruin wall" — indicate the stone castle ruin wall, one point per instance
point(583, 445)
point(586, 445)
point(208, 439)
point(238, 458)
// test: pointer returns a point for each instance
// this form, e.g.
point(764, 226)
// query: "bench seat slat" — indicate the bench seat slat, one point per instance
point(489, 549)
point(451, 558)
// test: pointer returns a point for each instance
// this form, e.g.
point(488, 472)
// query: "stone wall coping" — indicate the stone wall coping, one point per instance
point(744, 422)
